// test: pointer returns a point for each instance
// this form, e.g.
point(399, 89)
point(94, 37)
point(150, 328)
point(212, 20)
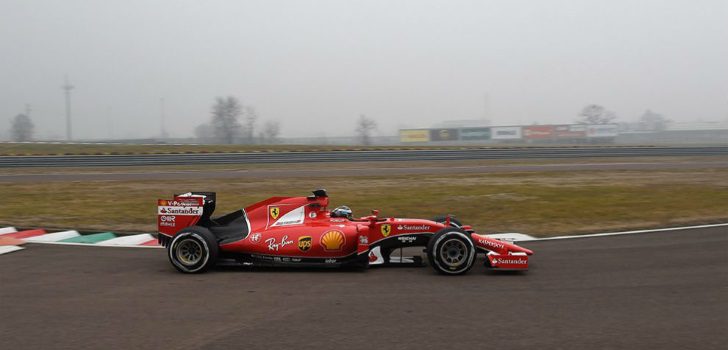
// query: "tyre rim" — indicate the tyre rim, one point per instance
point(189, 252)
point(453, 252)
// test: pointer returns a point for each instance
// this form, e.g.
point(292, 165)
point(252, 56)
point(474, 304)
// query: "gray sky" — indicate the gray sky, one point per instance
point(314, 66)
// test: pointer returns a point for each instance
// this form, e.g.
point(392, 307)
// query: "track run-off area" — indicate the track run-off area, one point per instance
point(662, 289)
point(358, 156)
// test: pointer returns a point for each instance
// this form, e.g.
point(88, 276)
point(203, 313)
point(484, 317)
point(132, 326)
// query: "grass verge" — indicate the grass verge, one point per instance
point(537, 203)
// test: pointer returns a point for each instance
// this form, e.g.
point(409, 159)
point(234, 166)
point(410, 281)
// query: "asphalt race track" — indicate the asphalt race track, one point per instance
point(357, 156)
point(666, 290)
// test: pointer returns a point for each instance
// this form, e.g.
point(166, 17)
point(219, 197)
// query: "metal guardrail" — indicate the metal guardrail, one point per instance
point(353, 156)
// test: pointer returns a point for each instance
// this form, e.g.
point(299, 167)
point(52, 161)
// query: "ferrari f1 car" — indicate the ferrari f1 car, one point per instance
point(302, 231)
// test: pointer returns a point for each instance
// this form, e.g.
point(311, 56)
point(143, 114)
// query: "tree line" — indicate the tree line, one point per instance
point(233, 122)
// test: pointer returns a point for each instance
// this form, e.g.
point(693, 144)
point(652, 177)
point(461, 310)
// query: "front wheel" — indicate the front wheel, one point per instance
point(193, 250)
point(443, 219)
point(451, 251)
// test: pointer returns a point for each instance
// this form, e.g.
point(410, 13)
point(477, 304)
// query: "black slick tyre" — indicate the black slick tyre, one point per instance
point(193, 250)
point(451, 251)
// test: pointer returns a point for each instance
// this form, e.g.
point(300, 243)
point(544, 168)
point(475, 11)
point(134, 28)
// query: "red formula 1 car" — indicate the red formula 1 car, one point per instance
point(302, 231)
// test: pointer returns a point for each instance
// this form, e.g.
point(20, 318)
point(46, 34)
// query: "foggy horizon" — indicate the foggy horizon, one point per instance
point(316, 66)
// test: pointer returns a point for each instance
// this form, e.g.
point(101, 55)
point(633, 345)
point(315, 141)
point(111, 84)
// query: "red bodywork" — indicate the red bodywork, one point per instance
point(301, 230)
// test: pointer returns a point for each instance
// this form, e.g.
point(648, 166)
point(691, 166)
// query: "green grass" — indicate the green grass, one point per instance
point(541, 204)
point(100, 149)
point(79, 149)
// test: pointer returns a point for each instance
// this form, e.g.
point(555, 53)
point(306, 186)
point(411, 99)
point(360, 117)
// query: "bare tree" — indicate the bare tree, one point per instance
point(364, 128)
point(225, 113)
point(22, 128)
point(251, 116)
point(204, 131)
point(653, 121)
point(270, 132)
point(595, 114)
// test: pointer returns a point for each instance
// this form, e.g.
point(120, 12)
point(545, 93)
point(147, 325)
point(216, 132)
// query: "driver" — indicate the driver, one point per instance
point(342, 212)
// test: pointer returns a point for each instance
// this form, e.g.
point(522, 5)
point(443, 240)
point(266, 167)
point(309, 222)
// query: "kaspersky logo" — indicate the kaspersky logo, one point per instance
point(274, 212)
point(386, 229)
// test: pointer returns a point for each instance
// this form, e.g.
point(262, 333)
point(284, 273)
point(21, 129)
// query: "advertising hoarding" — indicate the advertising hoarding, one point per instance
point(605, 130)
point(570, 131)
point(414, 135)
point(443, 134)
point(538, 132)
point(474, 134)
point(505, 133)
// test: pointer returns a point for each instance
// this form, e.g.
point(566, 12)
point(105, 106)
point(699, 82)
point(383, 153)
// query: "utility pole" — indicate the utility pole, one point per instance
point(162, 131)
point(67, 87)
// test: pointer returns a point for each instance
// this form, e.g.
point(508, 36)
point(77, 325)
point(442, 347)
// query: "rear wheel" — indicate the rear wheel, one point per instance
point(193, 250)
point(451, 251)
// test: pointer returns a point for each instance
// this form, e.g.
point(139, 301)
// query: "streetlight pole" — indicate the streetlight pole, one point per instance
point(67, 87)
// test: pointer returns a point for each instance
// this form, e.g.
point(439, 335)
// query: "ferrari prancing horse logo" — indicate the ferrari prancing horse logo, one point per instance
point(274, 212)
point(386, 229)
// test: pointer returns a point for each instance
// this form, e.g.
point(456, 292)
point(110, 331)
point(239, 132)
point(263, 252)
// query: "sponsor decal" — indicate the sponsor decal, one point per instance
point(375, 256)
point(337, 220)
point(293, 217)
point(330, 261)
point(274, 212)
point(386, 229)
point(168, 221)
point(516, 261)
point(490, 244)
point(363, 240)
point(304, 243)
point(273, 245)
point(255, 237)
point(312, 215)
point(184, 211)
point(295, 259)
point(333, 240)
point(413, 227)
point(406, 239)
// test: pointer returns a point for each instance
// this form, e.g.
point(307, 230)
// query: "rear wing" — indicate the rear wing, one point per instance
point(184, 210)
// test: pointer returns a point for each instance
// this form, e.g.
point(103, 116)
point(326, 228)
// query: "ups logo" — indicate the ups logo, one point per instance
point(304, 243)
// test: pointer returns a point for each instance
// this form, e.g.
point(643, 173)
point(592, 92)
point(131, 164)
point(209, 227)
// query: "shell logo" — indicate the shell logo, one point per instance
point(333, 240)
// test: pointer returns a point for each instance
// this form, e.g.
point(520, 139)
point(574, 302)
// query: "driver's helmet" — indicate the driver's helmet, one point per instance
point(341, 212)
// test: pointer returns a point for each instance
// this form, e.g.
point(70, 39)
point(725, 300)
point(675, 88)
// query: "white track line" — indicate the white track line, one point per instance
point(6, 230)
point(128, 240)
point(9, 249)
point(53, 237)
point(628, 232)
point(102, 245)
